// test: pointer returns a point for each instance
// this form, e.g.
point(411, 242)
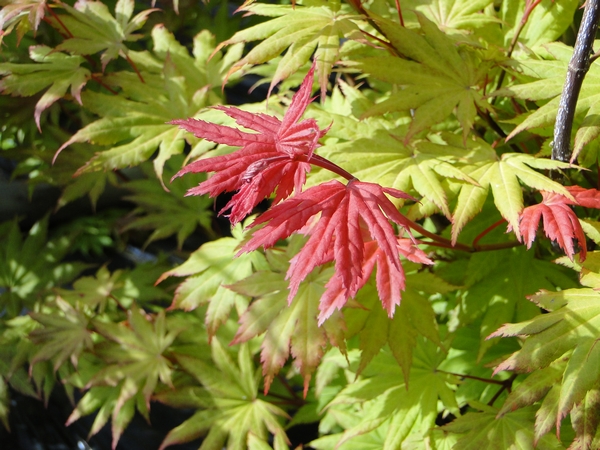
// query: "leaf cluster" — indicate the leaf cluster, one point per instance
point(398, 262)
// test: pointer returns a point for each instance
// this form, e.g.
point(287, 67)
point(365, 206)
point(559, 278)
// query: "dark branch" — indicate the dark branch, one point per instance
point(578, 67)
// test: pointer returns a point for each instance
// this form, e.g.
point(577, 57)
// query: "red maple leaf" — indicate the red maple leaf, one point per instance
point(560, 222)
point(343, 215)
point(389, 280)
point(274, 158)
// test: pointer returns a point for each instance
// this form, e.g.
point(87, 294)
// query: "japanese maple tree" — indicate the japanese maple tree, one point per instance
point(384, 240)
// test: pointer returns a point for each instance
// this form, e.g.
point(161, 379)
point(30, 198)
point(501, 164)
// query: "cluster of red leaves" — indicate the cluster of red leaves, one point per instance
point(347, 216)
point(560, 222)
point(273, 158)
point(348, 224)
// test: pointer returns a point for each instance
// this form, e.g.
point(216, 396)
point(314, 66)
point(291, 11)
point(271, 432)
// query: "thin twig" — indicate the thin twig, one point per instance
point(529, 7)
point(472, 377)
point(506, 386)
point(578, 67)
point(399, 12)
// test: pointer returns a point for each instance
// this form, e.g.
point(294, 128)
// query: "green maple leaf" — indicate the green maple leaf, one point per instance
point(235, 411)
point(440, 78)
point(498, 285)
point(209, 270)
point(547, 22)
point(133, 123)
point(32, 265)
point(534, 387)
point(389, 402)
point(4, 404)
point(103, 399)
point(93, 29)
point(457, 14)
point(547, 84)
point(421, 166)
point(134, 362)
point(511, 431)
point(413, 318)
point(103, 291)
point(569, 330)
point(586, 418)
point(287, 328)
point(316, 29)
point(61, 337)
point(53, 70)
point(169, 213)
point(135, 352)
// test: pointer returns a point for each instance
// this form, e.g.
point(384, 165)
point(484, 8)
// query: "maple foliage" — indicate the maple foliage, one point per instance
point(337, 236)
point(375, 294)
point(275, 157)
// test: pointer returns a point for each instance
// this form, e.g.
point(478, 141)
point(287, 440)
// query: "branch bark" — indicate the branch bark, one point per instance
point(578, 67)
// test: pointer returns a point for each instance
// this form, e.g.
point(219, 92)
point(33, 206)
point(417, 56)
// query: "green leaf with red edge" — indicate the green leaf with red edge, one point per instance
point(23, 15)
point(563, 324)
point(62, 336)
point(209, 270)
point(56, 71)
point(236, 411)
point(134, 353)
point(288, 328)
point(569, 328)
point(534, 387)
point(304, 29)
point(586, 418)
point(545, 417)
point(92, 28)
point(485, 429)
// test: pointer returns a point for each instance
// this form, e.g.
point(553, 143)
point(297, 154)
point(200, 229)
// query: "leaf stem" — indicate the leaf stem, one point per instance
point(57, 18)
point(475, 243)
point(134, 67)
point(578, 67)
point(439, 240)
point(399, 12)
point(386, 44)
point(324, 163)
point(104, 85)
